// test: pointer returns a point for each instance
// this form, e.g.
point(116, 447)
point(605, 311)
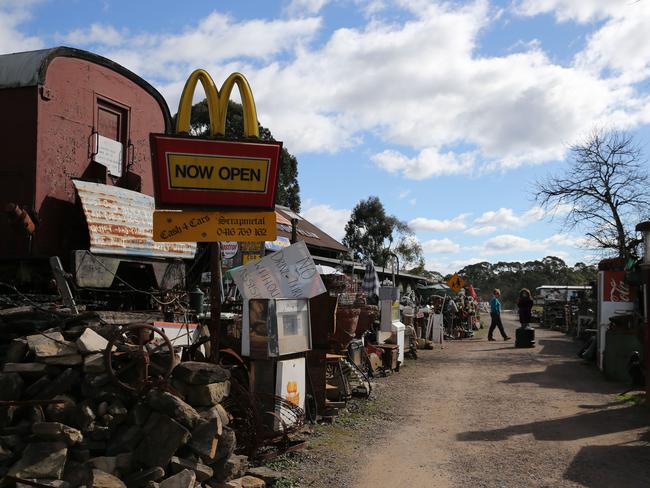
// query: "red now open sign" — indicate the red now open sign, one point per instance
point(191, 172)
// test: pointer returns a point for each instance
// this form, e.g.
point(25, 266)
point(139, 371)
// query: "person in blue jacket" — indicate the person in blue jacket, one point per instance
point(495, 314)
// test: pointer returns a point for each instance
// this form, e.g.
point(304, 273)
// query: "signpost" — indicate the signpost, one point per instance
point(225, 188)
point(456, 283)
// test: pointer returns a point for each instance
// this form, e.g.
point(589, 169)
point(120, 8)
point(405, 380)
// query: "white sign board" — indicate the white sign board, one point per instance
point(289, 273)
point(229, 249)
point(109, 154)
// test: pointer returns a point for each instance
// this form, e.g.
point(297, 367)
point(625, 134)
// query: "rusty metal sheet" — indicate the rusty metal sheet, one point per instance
point(121, 222)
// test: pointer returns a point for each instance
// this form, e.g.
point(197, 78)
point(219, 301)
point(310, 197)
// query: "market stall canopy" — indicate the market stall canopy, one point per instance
point(441, 289)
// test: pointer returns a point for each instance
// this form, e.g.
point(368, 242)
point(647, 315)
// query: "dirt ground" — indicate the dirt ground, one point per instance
point(484, 414)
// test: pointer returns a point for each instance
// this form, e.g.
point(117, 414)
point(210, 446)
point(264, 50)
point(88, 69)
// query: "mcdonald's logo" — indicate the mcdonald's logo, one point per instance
point(215, 172)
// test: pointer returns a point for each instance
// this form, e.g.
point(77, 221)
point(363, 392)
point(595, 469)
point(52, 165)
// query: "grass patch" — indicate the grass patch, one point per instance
point(633, 398)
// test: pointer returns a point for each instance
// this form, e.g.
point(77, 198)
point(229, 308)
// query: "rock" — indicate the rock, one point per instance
point(138, 414)
point(207, 395)
point(108, 464)
point(36, 388)
point(270, 476)
point(125, 439)
point(216, 411)
point(77, 474)
point(14, 442)
point(68, 360)
point(117, 409)
point(144, 476)
point(27, 370)
point(230, 467)
point(86, 415)
point(201, 471)
point(55, 431)
point(226, 444)
point(205, 438)
point(64, 413)
point(11, 386)
point(101, 479)
point(94, 364)
point(245, 482)
point(102, 409)
point(162, 437)
point(59, 385)
point(124, 462)
point(184, 479)
point(41, 460)
point(53, 483)
point(16, 351)
point(197, 373)
point(90, 342)
point(6, 455)
point(79, 453)
point(50, 344)
point(174, 407)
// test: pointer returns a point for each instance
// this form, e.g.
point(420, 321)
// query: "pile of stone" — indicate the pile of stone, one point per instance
point(63, 423)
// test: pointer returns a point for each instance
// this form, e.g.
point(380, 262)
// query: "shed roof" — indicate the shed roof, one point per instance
point(29, 68)
point(306, 231)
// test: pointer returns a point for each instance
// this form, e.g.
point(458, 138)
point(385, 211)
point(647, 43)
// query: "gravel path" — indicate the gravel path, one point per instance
point(485, 414)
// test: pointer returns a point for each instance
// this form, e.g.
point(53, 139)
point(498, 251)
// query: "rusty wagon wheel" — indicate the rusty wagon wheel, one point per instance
point(138, 357)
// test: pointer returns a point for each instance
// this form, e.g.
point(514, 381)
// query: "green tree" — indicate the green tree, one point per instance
point(288, 191)
point(371, 232)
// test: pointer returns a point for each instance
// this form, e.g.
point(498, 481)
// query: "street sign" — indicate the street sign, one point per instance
point(214, 173)
point(175, 226)
point(456, 283)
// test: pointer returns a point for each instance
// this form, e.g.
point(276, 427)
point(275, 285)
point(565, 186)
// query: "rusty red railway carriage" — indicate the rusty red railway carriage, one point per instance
point(75, 168)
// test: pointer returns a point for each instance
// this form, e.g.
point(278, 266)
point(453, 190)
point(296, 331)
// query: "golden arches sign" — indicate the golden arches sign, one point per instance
point(217, 103)
point(214, 172)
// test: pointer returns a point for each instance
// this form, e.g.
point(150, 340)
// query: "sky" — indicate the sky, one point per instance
point(447, 111)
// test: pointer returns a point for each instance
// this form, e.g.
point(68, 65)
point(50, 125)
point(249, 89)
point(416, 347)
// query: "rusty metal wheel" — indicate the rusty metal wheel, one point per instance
point(138, 357)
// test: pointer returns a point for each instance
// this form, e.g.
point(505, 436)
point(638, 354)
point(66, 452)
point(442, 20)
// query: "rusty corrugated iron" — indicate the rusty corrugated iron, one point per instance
point(121, 222)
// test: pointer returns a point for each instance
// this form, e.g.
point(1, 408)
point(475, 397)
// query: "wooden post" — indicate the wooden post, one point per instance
point(215, 301)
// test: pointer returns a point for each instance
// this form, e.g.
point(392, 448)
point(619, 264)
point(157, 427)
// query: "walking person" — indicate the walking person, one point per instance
point(495, 315)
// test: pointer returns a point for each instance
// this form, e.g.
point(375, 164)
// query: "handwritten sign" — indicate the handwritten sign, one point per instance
point(289, 273)
point(175, 226)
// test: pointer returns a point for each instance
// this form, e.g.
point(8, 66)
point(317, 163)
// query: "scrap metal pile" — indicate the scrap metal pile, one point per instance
point(86, 401)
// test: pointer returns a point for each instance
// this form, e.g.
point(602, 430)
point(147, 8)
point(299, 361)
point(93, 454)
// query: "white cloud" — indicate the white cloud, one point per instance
point(506, 217)
point(329, 219)
point(440, 246)
point(481, 231)
point(12, 15)
point(517, 245)
point(429, 162)
point(564, 10)
point(96, 34)
point(435, 225)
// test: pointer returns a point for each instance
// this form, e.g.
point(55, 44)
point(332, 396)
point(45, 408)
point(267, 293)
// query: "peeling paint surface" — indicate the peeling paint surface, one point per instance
point(121, 222)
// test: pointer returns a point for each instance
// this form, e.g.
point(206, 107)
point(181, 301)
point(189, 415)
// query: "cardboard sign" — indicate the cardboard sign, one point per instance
point(289, 273)
point(175, 226)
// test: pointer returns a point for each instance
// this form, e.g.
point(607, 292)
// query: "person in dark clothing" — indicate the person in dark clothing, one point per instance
point(525, 304)
point(495, 314)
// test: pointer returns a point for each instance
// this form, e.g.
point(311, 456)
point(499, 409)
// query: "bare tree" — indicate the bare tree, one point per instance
point(604, 189)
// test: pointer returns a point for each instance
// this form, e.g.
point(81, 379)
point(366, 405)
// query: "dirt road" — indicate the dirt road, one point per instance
point(485, 414)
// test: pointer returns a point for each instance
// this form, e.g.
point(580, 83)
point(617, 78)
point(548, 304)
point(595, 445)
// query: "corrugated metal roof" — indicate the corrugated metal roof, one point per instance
point(121, 222)
point(306, 231)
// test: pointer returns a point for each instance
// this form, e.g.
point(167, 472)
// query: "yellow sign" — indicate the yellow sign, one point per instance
point(217, 103)
point(247, 258)
point(456, 283)
point(174, 226)
point(203, 172)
